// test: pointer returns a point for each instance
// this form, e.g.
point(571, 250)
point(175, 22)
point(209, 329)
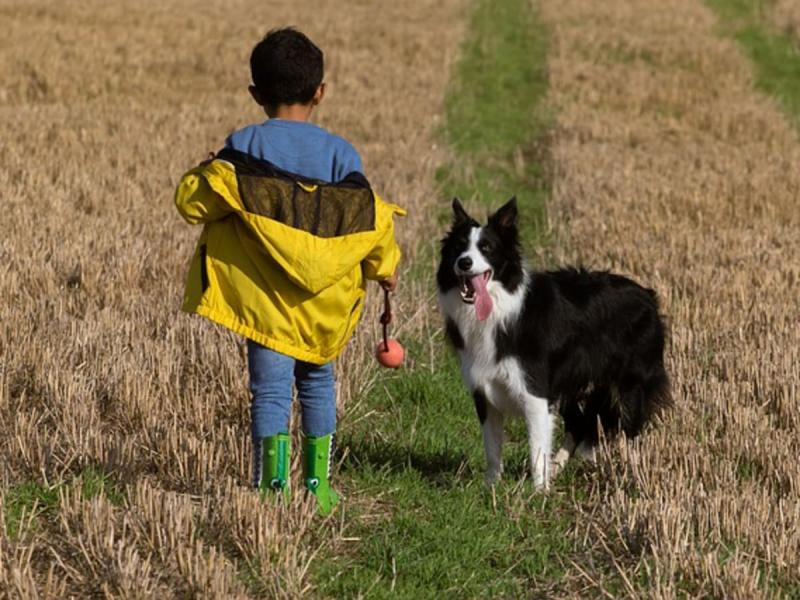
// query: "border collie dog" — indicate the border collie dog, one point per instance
point(586, 344)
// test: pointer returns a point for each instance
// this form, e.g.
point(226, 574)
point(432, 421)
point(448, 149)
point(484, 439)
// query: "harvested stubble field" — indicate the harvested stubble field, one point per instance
point(123, 424)
point(669, 166)
point(785, 15)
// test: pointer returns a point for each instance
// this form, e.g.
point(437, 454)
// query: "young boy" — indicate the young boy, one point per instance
point(292, 231)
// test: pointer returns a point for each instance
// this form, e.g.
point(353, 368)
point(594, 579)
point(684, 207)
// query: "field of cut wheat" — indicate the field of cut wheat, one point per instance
point(785, 15)
point(670, 167)
point(123, 423)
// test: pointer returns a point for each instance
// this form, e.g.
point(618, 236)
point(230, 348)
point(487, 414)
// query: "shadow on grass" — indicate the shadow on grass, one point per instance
point(438, 468)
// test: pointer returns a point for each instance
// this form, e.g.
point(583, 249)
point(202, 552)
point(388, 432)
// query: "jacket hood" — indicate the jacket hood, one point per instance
point(317, 232)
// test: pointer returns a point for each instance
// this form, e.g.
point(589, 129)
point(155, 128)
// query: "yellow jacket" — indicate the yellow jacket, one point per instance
point(284, 260)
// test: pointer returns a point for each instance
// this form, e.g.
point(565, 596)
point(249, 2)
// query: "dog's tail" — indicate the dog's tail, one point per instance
point(645, 401)
point(658, 393)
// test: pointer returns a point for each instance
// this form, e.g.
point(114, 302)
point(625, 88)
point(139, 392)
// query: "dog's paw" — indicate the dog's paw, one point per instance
point(559, 461)
point(541, 483)
point(492, 476)
point(586, 452)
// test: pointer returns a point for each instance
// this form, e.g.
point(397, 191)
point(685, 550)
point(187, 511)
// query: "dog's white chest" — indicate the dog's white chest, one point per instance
point(502, 381)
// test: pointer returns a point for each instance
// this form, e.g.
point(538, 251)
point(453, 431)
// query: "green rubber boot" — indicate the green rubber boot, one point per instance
point(271, 468)
point(317, 453)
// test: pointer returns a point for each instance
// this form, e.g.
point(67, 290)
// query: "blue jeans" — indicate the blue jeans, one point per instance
point(271, 377)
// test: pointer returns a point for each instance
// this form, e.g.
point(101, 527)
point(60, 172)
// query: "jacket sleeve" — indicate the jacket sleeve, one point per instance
point(382, 261)
point(383, 258)
point(196, 201)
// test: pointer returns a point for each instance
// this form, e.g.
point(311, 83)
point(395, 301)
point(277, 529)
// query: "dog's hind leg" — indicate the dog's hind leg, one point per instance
point(539, 423)
point(492, 429)
point(586, 451)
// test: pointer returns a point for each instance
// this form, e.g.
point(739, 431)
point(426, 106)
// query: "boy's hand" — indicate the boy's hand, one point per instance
point(389, 284)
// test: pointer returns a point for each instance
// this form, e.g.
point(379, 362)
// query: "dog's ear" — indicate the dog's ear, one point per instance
point(459, 214)
point(506, 215)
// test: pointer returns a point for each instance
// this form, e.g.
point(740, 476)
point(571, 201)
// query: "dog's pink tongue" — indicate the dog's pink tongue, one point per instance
point(483, 301)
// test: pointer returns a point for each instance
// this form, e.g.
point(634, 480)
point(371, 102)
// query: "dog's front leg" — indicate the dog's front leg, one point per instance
point(539, 423)
point(492, 429)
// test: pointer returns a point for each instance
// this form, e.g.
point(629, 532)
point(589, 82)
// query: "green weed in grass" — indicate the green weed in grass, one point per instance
point(30, 498)
point(26, 499)
point(95, 482)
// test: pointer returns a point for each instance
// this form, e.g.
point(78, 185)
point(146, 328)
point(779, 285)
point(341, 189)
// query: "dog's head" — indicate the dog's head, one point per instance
point(476, 258)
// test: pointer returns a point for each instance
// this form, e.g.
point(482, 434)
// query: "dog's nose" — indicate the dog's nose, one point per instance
point(464, 263)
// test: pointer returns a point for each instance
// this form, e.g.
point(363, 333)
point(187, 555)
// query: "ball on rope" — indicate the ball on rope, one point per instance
point(391, 356)
point(389, 352)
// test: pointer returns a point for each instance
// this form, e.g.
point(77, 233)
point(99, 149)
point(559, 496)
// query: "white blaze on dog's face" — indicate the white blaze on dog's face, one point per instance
point(472, 262)
point(474, 272)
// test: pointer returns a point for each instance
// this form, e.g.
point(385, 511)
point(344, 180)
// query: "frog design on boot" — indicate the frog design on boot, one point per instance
point(271, 468)
point(317, 456)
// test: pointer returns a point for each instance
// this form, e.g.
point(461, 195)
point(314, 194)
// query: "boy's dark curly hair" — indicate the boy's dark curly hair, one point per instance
point(286, 67)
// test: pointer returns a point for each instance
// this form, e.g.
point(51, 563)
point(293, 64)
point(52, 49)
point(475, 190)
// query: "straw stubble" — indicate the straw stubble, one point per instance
point(669, 167)
point(103, 106)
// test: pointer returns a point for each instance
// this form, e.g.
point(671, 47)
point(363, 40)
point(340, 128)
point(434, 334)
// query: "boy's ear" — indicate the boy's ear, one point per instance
point(256, 96)
point(319, 94)
point(506, 215)
point(459, 214)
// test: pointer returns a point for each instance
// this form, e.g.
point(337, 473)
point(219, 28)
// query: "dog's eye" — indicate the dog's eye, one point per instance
point(484, 246)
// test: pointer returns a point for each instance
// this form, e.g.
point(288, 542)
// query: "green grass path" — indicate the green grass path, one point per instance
point(427, 526)
point(439, 532)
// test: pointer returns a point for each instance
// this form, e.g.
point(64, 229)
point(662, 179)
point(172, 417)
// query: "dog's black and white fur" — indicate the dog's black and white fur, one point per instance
point(586, 344)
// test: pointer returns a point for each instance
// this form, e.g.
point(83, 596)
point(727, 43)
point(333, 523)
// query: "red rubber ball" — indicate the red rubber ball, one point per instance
point(391, 357)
